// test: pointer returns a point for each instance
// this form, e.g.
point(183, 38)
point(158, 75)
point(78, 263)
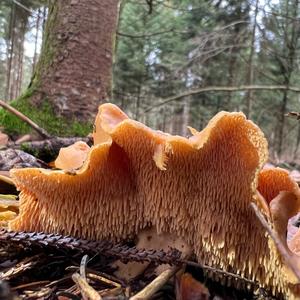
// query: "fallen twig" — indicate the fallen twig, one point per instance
point(156, 284)
point(222, 273)
point(30, 285)
point(86, 290)
point(42, 132)
point(24, 265)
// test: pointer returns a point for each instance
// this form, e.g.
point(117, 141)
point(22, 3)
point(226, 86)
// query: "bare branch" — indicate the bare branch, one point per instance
point(42, 132)
point(88, 292)
point(156, 284)
point(138, 36)
point(222, 89)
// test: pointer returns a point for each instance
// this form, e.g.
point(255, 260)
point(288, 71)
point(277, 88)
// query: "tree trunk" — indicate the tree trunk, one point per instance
point(185, 116)
point(37, 28)
point(74, 71)
point(291, 37)
point(249, 94)
point(10, 50)
point(16, 36)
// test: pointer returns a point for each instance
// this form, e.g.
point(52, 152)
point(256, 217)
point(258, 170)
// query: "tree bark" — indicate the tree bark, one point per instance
point(74, 71)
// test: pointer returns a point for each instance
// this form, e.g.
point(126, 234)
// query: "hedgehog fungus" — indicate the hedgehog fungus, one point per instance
point(198, 189)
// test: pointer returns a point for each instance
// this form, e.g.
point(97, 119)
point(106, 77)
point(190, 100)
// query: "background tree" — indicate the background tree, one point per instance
point(176, 63)
point(74, 70)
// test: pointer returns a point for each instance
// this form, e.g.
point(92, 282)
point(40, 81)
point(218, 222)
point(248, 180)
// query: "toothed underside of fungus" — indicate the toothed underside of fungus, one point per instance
point(134, 177)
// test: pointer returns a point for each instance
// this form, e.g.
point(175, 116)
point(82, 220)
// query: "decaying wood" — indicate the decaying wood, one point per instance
point(48, 149)
point(21, 267)
point(12, 158)
point(42, 132)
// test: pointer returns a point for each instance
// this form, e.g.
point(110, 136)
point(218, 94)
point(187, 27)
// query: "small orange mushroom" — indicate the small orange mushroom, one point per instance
point(272, 181)
point(72, 157)
point(198, 189)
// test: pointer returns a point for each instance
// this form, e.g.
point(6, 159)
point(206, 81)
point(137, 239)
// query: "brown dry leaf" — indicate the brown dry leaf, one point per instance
point(283, 207)
point(291, 270)
point(188, 288)
point(293, 227)
point(294, 243)
point(72, 157)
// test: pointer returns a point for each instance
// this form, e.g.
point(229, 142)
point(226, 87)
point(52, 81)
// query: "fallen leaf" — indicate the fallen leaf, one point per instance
point(188, 288)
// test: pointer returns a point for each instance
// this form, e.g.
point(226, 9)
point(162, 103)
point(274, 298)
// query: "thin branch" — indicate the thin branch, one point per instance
point(293, 114)
point(222, 89)
point(156, 284)
point(32, 12)
point(138, 36)
point(22, 6)
point(222, 273)
point(87, 292)
point(42, 132)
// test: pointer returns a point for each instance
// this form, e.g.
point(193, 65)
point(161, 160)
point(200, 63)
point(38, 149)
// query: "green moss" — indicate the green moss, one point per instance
point(44, 116)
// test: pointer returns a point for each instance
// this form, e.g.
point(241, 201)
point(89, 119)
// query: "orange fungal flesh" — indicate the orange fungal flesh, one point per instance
point(134, 177)
point(272, 181)
point(72, 157)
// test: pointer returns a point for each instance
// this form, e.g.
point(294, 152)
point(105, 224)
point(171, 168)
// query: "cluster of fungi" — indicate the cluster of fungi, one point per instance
point(196, 190)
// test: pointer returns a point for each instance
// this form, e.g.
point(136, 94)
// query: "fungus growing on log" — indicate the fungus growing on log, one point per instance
point(197, 188)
